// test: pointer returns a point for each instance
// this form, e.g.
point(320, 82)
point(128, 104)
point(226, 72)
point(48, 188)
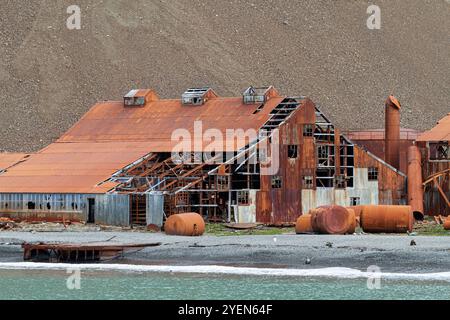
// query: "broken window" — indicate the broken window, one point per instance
point(243, 198)
point(373, 174)
point(339, 181)
point(276, 182)
point(355, 201)
point(222, 183)
point(293, 151)
point(31, 205)
point(308, 182)
point(322, 152)
point(308, 130)
point(440, 151)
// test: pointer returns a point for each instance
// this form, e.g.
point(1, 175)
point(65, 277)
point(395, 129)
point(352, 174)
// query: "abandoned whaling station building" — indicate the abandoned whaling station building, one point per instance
point(115, 165)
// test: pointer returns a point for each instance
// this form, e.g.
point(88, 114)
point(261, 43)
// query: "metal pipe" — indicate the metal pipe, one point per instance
point(415, 187)
point(392, 134)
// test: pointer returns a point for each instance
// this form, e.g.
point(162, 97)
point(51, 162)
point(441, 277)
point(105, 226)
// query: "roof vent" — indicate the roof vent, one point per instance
point(259, 95)
point(139, 97)
point(197, 96)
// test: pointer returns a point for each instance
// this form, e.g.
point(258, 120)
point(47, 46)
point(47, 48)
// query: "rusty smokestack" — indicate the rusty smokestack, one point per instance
point(415, 187)
point(392, 134)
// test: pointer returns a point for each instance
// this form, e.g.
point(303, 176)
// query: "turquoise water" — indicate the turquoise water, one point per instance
point(46, 285)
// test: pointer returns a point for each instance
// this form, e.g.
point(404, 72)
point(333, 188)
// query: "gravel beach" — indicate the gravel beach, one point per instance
point(390, 253)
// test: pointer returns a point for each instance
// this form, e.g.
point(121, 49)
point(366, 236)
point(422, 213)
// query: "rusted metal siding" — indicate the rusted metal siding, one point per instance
point(391, 182)
point(283, 206)
point(435, 204)
point(374, 141)
point(433, 200)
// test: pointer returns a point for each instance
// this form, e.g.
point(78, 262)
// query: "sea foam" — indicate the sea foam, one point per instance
point(343, 273)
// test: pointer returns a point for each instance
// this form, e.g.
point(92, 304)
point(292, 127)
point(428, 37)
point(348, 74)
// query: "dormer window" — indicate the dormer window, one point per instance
point(138, 98)
point(258, 95)
point(197, 96)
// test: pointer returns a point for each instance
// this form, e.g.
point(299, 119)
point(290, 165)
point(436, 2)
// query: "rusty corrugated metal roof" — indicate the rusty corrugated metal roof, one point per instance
point(111, 136)
point(71, 168)
point(441, 132)
point(9, 159)
point(110, 121)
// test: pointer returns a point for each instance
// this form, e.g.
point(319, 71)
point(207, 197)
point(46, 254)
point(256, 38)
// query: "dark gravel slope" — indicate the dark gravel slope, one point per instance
point(50, 76)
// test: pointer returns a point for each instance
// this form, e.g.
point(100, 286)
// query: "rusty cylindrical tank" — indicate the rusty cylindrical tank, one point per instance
point(387, 219)
point(185, 224)
point(392, 134)
point(415, 187)
point(357, 209)
point(351, 221)
point(303, 224)
point(330, 220)
point(447, 224)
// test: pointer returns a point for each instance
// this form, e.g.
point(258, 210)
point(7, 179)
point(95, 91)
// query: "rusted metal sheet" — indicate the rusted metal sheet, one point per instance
point(374, 141)
point(71, 168)
point(9, 159)
point(391, 182)
point(392, 146)
point(415, 187)
point(441, 132)
point(156, 122)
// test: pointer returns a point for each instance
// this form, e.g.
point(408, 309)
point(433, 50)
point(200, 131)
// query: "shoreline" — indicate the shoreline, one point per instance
point(391, 253)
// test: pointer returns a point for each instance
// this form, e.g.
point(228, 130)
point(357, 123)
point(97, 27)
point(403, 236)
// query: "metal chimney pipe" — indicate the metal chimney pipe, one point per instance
point(392, 134)
point(415, 187)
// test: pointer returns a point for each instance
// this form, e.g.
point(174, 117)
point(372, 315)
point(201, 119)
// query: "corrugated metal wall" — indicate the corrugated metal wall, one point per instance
point(155, 209)
point(110, 209)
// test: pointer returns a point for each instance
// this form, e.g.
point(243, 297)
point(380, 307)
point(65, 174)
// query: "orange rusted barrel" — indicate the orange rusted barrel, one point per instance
point(387, 219)
point(351, 221)
point(357, 209)
point(415, 182)
point(185, 224)
point(447, 224)
point(330, 220)
point(304, 224)
point(392, 134)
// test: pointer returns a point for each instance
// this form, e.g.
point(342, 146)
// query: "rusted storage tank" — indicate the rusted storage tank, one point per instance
point(415, 181)
point(387, 219)
point(303, 224)
point(330, 220)
point(447, 224)
point(357, 209)
point(351, 221)
point(185, 224)
point(392, 134)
